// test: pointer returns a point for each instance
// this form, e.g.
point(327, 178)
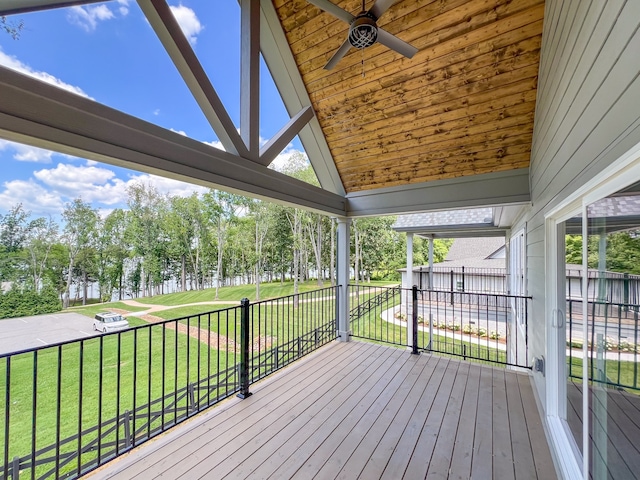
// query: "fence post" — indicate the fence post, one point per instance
point(15, 468)
point(414, 321)
point(244, 349)
point(451, 287)
point(127, 429)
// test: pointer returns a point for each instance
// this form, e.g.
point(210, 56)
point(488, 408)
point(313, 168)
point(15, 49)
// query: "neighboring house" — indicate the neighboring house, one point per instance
point(471, 265)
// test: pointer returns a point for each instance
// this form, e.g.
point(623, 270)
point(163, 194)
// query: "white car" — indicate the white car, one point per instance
point(109, 322)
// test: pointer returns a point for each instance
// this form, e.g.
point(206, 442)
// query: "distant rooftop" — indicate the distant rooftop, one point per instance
point(471, 222)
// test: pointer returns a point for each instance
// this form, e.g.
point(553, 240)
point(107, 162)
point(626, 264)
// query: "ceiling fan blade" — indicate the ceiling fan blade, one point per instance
point(381, 6)
point(341, 52)
point(333, 9)
point(394, 43)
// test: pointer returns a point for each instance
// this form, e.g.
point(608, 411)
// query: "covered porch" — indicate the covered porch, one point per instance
point(360, 410)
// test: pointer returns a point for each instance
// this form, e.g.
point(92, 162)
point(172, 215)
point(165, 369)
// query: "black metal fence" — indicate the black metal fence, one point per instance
point(70, 407)
point(478, 326)
point(613, 342)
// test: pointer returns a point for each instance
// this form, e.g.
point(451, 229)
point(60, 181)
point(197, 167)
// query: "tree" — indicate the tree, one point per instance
point(11, 27)
point(41, 235)
point(112, 251)
point(147, 209)
point(79, 231)
point(221, 209)
point(13, 233)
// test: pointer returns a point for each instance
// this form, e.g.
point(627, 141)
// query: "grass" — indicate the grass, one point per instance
point(91, 310)
point(104, 375)
point(190, 310)
point(235, 294)
point(129, 377)
point(373, 328)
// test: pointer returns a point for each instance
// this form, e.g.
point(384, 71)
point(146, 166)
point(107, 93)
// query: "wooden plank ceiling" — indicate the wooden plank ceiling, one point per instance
point(463, 105)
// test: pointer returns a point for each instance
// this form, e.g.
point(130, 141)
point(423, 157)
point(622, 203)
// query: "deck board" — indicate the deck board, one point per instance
point(359, 410)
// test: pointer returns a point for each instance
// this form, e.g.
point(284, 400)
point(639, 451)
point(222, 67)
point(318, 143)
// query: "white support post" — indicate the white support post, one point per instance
point(407, 292)
point(431, 263)
point(344, 250)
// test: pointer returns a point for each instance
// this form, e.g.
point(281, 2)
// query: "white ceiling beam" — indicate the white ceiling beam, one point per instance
point(12, 7)
point(282, 66)
point(280, 140)
point(39, 114)
point(487, 190)
point(250, 76)
point(174, 41)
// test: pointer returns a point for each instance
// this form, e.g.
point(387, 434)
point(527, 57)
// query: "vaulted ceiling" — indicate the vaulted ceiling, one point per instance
point(463, 105)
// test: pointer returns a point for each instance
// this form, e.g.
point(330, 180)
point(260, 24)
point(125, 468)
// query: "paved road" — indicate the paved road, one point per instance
point(28, 332)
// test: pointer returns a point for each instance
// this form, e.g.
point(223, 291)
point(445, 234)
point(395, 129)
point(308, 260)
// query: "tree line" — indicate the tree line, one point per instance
point(201, 241)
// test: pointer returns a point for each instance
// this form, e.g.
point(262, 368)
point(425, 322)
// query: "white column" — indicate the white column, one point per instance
point(407, 294)
point(343, 267)
point(431, 263)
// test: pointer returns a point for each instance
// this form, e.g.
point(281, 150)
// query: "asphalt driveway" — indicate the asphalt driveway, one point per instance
point(28, 332)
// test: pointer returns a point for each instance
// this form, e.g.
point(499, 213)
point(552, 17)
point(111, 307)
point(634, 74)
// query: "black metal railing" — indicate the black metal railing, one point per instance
point(485, 327)
point(70, 407)
point(613, 342)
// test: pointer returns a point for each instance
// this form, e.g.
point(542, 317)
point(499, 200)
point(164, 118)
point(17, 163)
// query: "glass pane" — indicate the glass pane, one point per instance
point(573, 330)
point(612, 322)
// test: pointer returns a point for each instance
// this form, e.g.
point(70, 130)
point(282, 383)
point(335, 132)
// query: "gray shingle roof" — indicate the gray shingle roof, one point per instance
point(471, 216)
point(474, 248)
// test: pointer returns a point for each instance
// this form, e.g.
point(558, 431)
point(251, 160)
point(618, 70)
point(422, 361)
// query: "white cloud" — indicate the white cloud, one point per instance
point(49, 189)
point(88, 17)
point(124, 7)
point(216, 144)
point(188, 21)
point(34, 197)
point(180, 132)
point(13, 63)
point(167, 186)
point(156, 112)
point(280, 163)
point(26, 153)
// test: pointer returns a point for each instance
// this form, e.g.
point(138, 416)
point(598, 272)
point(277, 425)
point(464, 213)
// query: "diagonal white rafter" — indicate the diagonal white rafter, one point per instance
point(174, 41)
point(280, 140)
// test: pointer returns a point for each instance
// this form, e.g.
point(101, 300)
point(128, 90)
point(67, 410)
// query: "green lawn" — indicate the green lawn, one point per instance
point(113, 373)
point(191, 310)
point(91, 310)
point(373, 328)
point(235, 294)
point(124, 378)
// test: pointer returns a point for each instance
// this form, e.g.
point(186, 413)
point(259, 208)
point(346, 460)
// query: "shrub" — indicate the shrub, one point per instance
point(25, 302)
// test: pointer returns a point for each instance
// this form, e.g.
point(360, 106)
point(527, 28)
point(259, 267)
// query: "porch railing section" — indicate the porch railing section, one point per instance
point(613, 342)
point(70, 407)
point(484, 327)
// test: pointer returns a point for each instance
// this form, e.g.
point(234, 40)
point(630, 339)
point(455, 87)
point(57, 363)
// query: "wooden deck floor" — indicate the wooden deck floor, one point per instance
point(359, 410)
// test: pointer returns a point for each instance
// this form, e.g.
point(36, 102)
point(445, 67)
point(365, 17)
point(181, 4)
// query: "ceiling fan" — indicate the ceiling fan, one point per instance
point(363, 30)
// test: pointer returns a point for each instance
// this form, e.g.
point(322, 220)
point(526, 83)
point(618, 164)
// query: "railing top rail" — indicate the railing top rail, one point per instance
point(300, 294)
point(481, 294)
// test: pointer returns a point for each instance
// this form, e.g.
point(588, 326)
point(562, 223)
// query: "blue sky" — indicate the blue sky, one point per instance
point(109, 52)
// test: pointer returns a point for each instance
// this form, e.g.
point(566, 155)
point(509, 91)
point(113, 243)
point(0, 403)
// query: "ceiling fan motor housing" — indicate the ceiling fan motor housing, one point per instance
point(363, 31)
